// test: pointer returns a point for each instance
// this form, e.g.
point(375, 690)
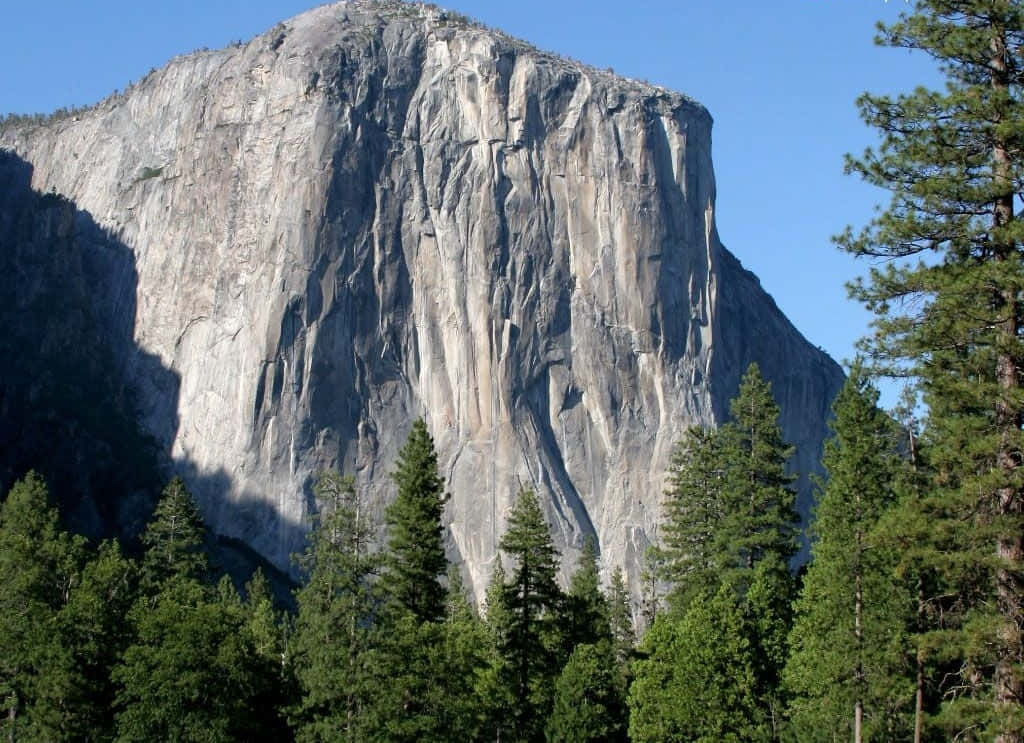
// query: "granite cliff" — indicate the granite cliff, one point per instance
point(377, 211)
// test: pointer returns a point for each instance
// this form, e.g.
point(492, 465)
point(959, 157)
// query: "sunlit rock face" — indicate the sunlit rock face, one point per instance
point(375, 212)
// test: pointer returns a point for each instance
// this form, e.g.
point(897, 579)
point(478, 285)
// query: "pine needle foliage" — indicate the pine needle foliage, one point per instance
point(949, 311)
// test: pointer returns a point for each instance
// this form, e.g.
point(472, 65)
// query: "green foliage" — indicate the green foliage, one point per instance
point(188, 674)
point(92, 628)
point(529, 645)
point(852, 615)
point(589, 703)
point(466, 651)
point(333, 642)
point(40, 687)
point(948, 311)
point(147, 172)
point(758, 519)
point(415, 558)
point(695, 678)
point(620, 618)
point(174, 539)
point(693, 515)
point(585, 607)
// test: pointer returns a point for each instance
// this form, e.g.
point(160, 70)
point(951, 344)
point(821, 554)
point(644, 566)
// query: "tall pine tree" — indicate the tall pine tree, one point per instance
point(531, 598)
point(332, 646)
point(693, 514)
point(847, 671)
point(949, 311)
point(415, 558)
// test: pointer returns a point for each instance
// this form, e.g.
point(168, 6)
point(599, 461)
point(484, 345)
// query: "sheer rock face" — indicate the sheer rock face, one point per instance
point(374, 212)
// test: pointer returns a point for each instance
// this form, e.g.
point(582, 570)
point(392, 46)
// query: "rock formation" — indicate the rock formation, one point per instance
point(377, 211)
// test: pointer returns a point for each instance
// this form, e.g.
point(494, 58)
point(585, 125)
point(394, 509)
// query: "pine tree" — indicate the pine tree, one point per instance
point(416, 559)
point(758, 518)
point(620, 615)
point(585, 607)
point(463, 659)
point(695, 678)
point(532, 599)
point(173, 539)
point(333, 643)
point(190, 671)
point(264, 636)
point(187, 675)
point(693, 515)
point(949, 311)
point(42, 691)
point(496, 696)
point(92, 627)
point(846, 671)
point(589, 701)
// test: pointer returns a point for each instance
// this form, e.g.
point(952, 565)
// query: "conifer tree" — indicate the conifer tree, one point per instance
point(589, 698)
point(42, 691)
point(187, 675)
point(333, 642)
point(758, 518)
point(92, 627)
point(948, 310)
point(532, 599)
point(189, 672)
point(695, 677)
point(585, 606)
point(693, 515)
point(620, 615)
point(462, 660)
point(496, 696)
point(173, 539)
point(415, 560)
point(846, 671)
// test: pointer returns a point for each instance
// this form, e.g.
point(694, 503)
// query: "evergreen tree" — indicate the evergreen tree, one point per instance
point(332, 646)
point(187, 675)
point(846, 671)
point(620, 614)
point(408, 706)
point(585, 607)
point(953, 161)
point(42, 691)
point(416, 559)
point(693, 515)
point(273, 684)
point(496, 696)
point(695, 677)
point(589, 703)
point(758, 518)
point(173, 539)
point(92, 627)
point(464, 657)
point(190, 671)
point(532, 599)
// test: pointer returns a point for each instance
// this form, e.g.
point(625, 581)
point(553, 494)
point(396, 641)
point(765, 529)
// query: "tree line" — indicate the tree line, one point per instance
point(384, 644)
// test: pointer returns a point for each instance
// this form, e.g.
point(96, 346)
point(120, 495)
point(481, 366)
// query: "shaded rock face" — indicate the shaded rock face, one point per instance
point(375, 212)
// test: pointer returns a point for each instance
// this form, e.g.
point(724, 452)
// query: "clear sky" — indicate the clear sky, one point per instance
point(780, 78)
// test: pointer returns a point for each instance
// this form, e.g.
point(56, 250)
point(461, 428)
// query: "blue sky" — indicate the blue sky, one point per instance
point(779, 77)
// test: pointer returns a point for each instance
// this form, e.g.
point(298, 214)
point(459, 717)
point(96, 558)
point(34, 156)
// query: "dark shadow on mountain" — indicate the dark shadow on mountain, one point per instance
point(80, 401)
point(67, 307)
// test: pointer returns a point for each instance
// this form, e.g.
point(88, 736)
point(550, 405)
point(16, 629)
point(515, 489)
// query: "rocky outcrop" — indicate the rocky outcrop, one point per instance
point(377, 211)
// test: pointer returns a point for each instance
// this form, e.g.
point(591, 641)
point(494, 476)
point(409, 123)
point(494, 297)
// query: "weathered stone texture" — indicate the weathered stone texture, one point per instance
point(374, 212)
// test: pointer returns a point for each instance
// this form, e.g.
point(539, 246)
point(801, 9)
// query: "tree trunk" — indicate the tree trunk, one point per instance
point(858, 710)
point(919, 696)
point(1008, 688)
